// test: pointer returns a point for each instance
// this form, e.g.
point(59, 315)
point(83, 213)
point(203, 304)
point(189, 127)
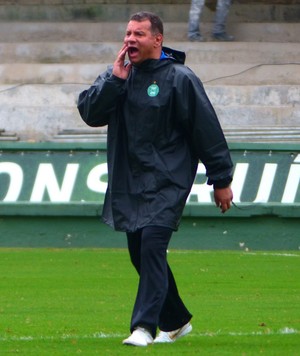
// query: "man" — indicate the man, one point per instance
point(218, 33)
point(160, 122)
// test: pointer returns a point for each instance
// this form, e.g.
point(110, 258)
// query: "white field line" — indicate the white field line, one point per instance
point(274, 254)
point(101, 335)
point(278, 254)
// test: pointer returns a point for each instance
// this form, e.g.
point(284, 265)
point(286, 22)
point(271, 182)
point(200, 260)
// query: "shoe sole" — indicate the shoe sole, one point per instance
point(184, 332)
point(132, 344)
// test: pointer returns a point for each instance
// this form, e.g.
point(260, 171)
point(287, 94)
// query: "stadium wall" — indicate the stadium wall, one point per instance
point(51, 195)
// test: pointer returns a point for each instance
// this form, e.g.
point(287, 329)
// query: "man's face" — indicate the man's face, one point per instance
point(141, 43)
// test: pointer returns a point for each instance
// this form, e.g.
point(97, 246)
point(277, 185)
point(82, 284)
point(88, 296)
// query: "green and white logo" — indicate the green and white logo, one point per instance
point(153, 90)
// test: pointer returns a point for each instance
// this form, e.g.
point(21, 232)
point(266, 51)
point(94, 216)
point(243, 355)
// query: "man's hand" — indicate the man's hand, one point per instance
point(119, 68)
point(223, 198)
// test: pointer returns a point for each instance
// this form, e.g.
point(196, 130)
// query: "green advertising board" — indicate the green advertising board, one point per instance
point(68, 174)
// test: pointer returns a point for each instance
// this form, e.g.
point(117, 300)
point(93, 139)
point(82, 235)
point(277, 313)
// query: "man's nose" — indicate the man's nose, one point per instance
point(130, 38)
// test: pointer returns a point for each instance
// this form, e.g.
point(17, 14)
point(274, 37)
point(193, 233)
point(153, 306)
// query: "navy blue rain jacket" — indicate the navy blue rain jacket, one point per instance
point(160, 124)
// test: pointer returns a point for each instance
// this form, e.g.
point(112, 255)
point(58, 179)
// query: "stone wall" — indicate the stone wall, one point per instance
point(78, 2)
point(119, 10)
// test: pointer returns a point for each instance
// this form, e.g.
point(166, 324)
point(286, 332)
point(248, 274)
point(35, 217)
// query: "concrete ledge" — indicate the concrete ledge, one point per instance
point(84, 209)
point(101, 146)
point(105, 52)
point(47, 112)
point(81, 75)
point(47, 32)
point(121, 11)
point(265, 233)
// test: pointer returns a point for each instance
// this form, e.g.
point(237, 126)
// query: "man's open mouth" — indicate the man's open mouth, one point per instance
point(132, 50)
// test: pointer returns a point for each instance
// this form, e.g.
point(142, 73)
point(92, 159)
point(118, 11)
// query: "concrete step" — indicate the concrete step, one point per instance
point(214, 62)
point(105, 52)
point(247, 74)
point(282, 134)
point(40, 112)
point(8, 136)
point(44, 66)
point(60, 95)
point(286, 134)
point(220, 74)
point(114, 31)
point(112, 11)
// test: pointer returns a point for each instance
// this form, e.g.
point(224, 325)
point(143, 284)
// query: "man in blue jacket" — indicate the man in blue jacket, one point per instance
point(160, 123)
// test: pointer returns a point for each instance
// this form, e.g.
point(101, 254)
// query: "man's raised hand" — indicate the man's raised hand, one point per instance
point(120, 69)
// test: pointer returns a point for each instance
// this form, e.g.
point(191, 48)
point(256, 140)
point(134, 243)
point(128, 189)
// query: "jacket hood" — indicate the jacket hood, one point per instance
point(174, 54)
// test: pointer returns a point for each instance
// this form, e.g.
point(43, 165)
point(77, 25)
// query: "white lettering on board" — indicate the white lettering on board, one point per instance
point(292, 183)
point(46, 181)
point(202, 191)
point(94, 182)
point(15, 173)
point(238, 181)
point(266, 183)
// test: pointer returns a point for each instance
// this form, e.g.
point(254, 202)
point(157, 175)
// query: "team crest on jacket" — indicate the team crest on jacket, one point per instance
point(153, 90)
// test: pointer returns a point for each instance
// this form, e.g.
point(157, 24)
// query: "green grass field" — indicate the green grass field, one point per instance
point(79, 301)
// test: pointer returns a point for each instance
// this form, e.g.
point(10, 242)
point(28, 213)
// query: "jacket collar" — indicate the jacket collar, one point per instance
point(174, 55)
point(177, 56)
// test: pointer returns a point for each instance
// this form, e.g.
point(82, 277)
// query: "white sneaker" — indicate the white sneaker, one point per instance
point(139, 337)
point(171, 336)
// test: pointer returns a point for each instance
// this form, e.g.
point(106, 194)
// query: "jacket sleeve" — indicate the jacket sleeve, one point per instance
point(96, 104)
point(203, 130)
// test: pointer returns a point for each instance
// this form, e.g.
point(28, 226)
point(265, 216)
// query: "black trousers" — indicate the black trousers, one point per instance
point(157, 303)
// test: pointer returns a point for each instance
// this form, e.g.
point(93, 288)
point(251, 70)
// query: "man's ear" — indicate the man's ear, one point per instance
point(158, 40)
